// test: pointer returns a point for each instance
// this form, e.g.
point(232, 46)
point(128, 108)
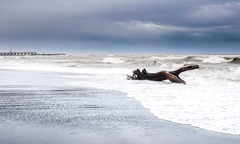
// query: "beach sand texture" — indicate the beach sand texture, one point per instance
point(38, 107)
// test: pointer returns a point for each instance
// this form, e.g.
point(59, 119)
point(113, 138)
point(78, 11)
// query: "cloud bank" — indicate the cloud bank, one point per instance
point(108, 25)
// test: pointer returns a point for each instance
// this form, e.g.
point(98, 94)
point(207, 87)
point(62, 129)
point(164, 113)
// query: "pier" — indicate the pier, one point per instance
point(17, 53)
point(25, 54)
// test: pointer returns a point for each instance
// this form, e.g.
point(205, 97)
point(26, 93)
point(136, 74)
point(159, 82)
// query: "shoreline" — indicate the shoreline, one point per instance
point(95, 115)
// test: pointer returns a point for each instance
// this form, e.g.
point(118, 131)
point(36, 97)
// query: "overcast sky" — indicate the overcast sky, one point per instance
point(121, 26)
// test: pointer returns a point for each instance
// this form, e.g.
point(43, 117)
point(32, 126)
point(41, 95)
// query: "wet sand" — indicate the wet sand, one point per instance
point(38, 107)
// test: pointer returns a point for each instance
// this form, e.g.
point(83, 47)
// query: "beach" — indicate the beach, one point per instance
point(120, 72)
point(40, 107)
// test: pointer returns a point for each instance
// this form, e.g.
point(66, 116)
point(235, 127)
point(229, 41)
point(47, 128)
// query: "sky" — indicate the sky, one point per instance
point(121, 26)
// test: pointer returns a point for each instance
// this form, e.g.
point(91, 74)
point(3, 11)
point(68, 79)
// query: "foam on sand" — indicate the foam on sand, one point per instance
point(61, 114)
point(212, 89)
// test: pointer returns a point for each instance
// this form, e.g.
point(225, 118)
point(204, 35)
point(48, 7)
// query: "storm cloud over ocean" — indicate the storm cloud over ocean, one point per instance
point(155, 26)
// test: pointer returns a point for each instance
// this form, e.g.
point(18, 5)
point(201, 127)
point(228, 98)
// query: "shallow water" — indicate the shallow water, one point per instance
point(210, 100)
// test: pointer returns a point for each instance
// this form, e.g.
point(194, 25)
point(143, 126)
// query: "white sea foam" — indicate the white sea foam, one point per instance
point(176, 57)
point(111, 55)
point(210, 100)
point(156, 58)
point(168, 57)
point(215, 59)
point(171, 65)
point(113, 60)
point(238, 70)
point(201, 103)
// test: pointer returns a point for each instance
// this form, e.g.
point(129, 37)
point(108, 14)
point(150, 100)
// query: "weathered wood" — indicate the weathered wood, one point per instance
point(173, 76)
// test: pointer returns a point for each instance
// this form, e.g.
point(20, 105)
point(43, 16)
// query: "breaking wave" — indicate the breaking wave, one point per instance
point(114, 60)
point(169, 57)
point(156, 58)
point(235, 60)
point(220, 59)
point(215, 59)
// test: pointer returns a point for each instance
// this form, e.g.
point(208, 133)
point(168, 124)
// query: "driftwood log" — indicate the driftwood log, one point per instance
point(173, 76)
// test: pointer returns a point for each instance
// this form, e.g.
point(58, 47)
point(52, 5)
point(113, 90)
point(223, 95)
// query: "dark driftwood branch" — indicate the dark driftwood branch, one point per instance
point(173, 76)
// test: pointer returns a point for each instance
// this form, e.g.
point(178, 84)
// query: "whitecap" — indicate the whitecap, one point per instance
point(114, 60)
point(156, 58)
point(215, 59)
point(169, 57)
point(175, 57)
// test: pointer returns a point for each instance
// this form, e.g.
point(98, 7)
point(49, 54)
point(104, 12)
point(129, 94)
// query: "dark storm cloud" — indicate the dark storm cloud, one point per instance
point(120, 21)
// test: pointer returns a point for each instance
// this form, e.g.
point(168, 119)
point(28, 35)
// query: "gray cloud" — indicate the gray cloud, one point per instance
point(120, 21)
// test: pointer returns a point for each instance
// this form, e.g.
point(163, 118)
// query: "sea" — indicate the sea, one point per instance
point(209, 100)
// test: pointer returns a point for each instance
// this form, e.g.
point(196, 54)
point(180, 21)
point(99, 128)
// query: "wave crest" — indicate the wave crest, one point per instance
point(215, 59)
point(114, 60)
point(235, 60)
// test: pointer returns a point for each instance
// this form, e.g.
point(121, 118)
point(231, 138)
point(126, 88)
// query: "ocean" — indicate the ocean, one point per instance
point(210, 99)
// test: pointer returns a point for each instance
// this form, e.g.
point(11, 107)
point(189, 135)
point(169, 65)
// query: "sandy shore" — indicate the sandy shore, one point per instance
point(38, 107)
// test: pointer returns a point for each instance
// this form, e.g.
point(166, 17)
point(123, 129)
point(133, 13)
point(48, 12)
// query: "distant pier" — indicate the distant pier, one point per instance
point(24, 54)
point(17, 53)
